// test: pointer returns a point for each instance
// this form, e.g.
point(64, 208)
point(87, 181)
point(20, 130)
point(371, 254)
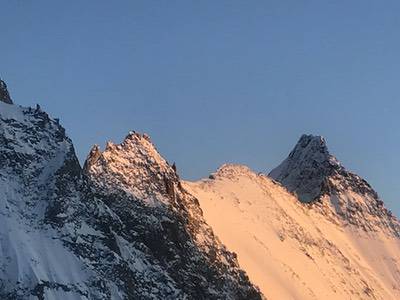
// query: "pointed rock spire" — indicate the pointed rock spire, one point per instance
point(134, 165)
point(4, 95)
point(91, 159)
point(307, 167)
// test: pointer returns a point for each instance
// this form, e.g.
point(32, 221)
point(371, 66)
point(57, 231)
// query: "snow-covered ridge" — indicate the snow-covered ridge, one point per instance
point(231, 171)
point(296, 250)
point(147, 193)
point(33, 148)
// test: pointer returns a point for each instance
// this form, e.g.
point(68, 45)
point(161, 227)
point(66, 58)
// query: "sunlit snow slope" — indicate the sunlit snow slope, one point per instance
point(296, 250)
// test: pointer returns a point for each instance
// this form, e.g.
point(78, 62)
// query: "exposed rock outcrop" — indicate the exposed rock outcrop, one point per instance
point(4, 94)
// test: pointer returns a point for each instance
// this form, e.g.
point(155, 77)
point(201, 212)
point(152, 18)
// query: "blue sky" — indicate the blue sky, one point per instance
point(216, 81)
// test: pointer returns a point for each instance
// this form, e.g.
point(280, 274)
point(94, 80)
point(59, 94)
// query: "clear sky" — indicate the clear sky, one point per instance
point(215, 81)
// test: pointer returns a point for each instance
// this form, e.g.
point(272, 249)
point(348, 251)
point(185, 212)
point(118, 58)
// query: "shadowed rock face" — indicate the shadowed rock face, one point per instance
point(317, 177)
point(122, 228)
point(310, 171)
point(4, 95)
point(306, 168)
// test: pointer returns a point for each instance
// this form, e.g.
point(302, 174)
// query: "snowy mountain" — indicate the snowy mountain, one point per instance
point(122, 227)
point(315, 232)
point(125, 226)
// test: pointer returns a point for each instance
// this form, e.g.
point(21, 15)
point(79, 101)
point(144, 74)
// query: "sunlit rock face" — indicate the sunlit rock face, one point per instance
point(164, 222)
point(121, 228)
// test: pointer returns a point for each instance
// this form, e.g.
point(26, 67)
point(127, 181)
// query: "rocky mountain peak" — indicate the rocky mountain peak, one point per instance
point(4, 95)
point(134, 165)
point(144, 191)
point(92, 157)
point(312, 173)
point(307, 167)
point(313, 149)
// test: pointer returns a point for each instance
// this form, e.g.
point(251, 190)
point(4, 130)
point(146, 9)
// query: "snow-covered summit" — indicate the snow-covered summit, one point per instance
point(343, 246)
point(330, 237)
point(230, 170)
point(306, 168)
point(134, 165)
point(312, 173)
point(4, 95)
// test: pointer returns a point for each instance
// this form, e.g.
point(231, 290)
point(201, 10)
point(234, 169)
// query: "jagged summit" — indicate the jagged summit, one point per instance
point(122, 228)
point(4, 95)
point(307, 167)
point(147, 196)
point(134, 165)
point(312, 173)
point(313, 147)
